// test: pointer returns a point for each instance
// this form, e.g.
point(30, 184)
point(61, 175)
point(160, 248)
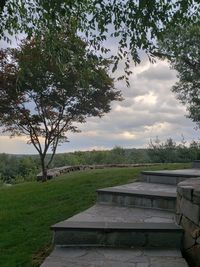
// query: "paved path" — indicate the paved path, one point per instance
point(107, 214)
point(131, 225)
point(143, 187)
point(183, 172)
point(109, 257)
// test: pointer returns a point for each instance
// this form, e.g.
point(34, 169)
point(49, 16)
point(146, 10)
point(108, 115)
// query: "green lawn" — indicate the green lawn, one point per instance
point(28, 210)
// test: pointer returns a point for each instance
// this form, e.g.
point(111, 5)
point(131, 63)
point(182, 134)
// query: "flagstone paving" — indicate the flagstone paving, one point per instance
point(112, 257)
point(131, 225)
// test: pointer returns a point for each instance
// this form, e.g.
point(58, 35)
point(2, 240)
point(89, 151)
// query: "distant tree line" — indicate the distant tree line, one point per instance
point(15, 168)
point(168, 151)
point(21, 168)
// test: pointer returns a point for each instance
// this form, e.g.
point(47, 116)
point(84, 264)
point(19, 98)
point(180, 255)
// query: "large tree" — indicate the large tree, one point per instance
point(135, 24)
point(42, 99)
point(181, 47)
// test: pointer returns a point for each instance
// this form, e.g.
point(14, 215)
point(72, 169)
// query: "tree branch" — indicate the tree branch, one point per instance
point(32, 132)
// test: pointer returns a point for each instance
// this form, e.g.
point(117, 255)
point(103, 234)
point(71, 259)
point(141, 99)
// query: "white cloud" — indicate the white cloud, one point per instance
point(146, 100)
point(149, 109)
point(157, 72)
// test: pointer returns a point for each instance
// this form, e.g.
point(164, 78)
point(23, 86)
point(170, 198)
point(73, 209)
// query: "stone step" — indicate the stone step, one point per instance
point(172, 177)
point(118, 257)
point(119, 227)
point(138, 194)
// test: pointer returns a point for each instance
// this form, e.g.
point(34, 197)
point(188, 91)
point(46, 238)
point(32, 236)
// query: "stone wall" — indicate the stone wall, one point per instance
point(52, 173)
point(188, 216)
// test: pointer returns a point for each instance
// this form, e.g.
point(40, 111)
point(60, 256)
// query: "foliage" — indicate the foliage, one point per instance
point(181, 46)
point(169, 151)
point(134, 24)
point(42, 99)
point(15, 169)
point(162, 152)
point(18, 169)
point(28, 210)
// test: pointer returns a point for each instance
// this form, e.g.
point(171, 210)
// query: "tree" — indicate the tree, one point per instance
point(162, 151)
point(182, 48)
point(135, 24)
point(117, 155)
point(42, 99)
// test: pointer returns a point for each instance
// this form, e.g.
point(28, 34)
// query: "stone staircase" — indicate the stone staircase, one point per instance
point(172, 177)
point(130, 225)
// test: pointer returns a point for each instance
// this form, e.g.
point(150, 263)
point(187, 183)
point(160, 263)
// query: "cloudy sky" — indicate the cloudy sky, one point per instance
point(149, 109)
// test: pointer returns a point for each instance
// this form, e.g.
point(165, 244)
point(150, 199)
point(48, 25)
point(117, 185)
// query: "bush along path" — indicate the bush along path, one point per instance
point(130, 225)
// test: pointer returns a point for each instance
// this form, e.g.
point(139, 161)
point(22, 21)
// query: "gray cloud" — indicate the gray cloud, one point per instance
point(158, 72)
point(149, 109)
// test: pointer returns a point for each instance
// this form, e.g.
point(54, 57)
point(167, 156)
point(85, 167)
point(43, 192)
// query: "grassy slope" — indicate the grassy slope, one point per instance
point(27, 210)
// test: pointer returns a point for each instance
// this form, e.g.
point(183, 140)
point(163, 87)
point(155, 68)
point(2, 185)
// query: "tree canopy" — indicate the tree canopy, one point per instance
point(135, 24)
point(182, 48)
point(43, 99)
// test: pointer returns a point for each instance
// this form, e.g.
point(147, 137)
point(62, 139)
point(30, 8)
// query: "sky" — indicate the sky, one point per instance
point(149, 110)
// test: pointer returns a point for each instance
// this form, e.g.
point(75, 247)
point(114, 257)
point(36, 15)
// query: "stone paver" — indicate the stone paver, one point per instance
point(104, 213)
point(172, 177)
point(109, 257)
point(182, 172)
point(143, 188)
point(127, 218)
point(119, 227)
point(141, 195)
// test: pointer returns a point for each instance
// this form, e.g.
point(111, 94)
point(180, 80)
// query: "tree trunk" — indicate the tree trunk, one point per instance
point(44, 169)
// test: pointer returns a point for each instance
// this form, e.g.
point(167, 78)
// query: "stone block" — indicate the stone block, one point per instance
point(198, 240)
point(185, 191)
point(164, 239)
point(188, 241)
point(192, 232)
point(101, 237)
point(194, 182)
point(104, 198)
point(178, 202)
point(168, 262)
point(127, 201)
point(190, 227)
point(196, 164)
point(163, 253)
point(118, 200)
point(140, 201)
point(125, 239)
point(190, 210)
point(164, 204)
point(142, 264)
point(77, 237)
point(178, 218)
point(193, 256)
point(196, 195)
point(162, 179)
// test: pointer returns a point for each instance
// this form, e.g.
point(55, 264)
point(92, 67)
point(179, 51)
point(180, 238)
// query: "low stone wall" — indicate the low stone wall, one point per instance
point(52, 173)
point(188, 216)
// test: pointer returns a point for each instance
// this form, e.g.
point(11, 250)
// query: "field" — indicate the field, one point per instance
point(28, 210)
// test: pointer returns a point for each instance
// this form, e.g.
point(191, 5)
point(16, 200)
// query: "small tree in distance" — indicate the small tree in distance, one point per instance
point(41, 99)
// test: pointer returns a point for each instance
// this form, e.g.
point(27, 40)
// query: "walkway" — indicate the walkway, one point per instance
point(132, 225)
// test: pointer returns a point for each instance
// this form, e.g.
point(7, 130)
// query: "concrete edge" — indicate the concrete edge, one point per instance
point(160, 173)
point(115, 226)
point(157, 194)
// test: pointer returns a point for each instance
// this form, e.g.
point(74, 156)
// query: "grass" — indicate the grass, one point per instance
point(28, 210)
